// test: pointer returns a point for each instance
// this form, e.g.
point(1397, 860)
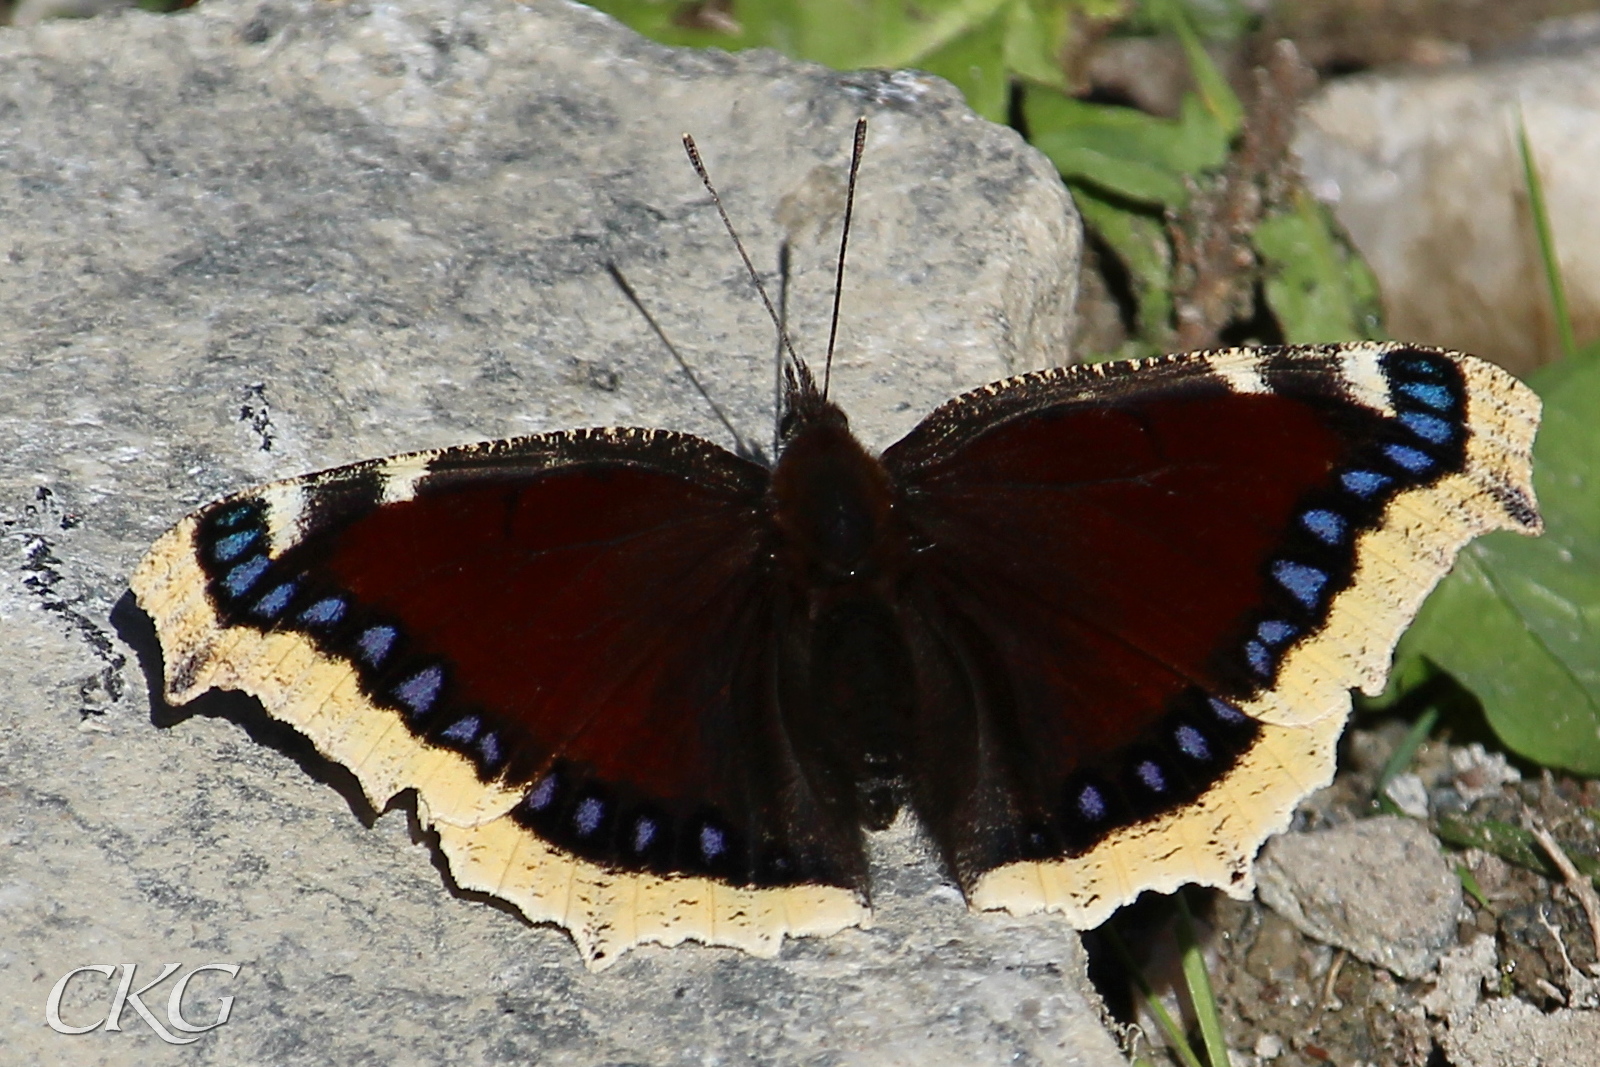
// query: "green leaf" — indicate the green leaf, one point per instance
point(1518, 620)
point(1124, 151)
point(1141, 243)
point(1512, 844)
point(974, 62)
point(1317, 289)
point(1215, 93)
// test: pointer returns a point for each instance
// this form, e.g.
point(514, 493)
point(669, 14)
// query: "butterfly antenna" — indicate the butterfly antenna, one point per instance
point(740, 445)
point(700, 169)
point(844, 242)
point(777, 359)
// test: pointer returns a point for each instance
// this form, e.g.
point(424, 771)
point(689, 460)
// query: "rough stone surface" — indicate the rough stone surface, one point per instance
point(1423, 171)
point(1513, 1033)
point(1379, 887)
point(258, 239)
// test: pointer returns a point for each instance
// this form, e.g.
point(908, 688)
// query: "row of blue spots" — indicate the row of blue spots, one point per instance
point(589, 815)
point(1090, 801)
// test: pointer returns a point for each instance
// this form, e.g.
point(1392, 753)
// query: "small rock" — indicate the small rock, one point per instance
point(1409, 795)
point(1422, 170)
point(1459, 986)
point(1379, 888)
point(1480, 773)
point(1513, 1033)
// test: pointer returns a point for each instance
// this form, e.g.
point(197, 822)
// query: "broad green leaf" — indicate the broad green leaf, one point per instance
point(1518, 620)
point(1123, 151)
point(1128, 178)
point(1316, 288)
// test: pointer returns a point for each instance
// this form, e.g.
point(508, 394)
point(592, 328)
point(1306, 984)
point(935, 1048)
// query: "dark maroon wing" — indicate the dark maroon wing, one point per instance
point(587, 617)
point(1112, 561)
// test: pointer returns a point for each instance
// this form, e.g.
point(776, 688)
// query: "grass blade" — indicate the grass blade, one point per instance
point(1547, 243)
point(1199, 983)
point(1169, 1026)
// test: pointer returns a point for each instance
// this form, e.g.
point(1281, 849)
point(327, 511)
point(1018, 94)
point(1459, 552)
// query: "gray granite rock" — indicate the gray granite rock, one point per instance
point(1422, 169)
point(1508, 1032)
point(1378, 887)
point(262, 238)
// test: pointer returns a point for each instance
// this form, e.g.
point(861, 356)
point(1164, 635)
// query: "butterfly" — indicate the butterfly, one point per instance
point(1095, 626)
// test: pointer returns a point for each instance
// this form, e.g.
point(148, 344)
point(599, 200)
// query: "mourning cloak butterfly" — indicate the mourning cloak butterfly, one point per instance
point(1096, 626)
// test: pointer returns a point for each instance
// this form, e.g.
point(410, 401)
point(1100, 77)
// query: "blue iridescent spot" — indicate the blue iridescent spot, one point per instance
point(644, 833)
point(1303, 582)
point(375, 642)
point(325, 612)
point(1260, 660)
point(239, 580)
point(489, 748)
point(1437, 397)
point(231, 546)
point(1226, 711)
point(1420, 365)
point(542, 795)
point(1412, 459)
point(713, 843)
point(1151, 776)
point(272, 604)
point(1192, 742)
point(1276, 631)
point(1092, 804)
point(463, 730)
point(587, 816)
point(1364, 483)
point(419, 691)
point(235, 515)
point(1428, 427)
point(1326, 526)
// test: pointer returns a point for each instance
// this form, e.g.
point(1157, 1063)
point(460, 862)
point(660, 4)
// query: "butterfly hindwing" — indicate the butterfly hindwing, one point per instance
point(567, 645)
point(1145, 590)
